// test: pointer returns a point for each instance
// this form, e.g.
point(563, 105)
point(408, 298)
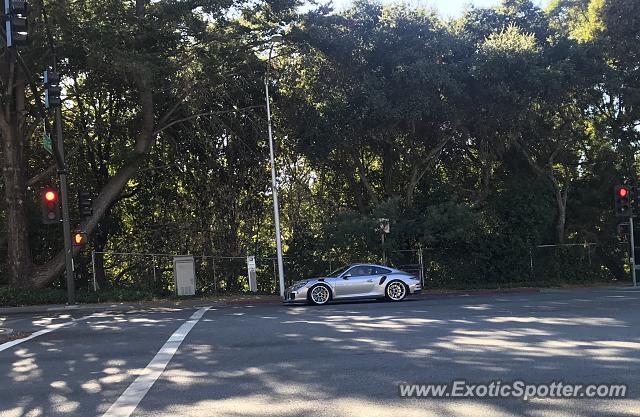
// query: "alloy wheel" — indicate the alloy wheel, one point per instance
point(396, 291)
point(320, 294)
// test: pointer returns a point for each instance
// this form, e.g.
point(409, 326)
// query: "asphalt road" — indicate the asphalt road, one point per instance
point(337, 360)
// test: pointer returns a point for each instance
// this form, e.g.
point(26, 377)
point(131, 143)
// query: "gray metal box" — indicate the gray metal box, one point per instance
point(184, 272)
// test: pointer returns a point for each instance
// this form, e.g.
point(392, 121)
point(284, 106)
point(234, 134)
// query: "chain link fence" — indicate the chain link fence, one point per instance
point(566, 263)
point(219, 274)
point(154, 272)
point(570, 263)
point(541, 265)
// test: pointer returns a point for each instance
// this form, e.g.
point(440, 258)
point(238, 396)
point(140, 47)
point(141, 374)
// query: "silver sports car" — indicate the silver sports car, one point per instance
point(354, 281)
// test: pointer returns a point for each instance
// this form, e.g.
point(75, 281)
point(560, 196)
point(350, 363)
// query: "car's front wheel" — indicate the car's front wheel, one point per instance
point(396, 291)
point(319, 294)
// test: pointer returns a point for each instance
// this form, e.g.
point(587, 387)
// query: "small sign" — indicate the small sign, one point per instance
point(251, 273)
point(383, 225)
point(251, 263)
point(46, 143)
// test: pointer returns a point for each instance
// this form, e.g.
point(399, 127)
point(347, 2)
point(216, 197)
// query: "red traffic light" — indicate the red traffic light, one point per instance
point(50, 205)
point(50, 196)
point(624, 198)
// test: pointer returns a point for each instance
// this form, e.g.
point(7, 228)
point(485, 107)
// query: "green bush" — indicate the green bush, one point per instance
point(115, 295)
point(10, 297)
point(20, 297)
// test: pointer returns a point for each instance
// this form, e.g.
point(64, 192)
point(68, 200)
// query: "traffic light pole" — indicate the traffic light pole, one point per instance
point(66, 226)
point(632, 258)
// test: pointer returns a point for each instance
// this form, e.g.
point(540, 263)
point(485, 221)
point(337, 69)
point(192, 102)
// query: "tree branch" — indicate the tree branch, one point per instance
point(50, 170)
point(195, 116)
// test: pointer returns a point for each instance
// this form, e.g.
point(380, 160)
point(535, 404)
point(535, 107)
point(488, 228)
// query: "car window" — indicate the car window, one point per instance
point(337, 272)
point(359, 271)
point(380, 271)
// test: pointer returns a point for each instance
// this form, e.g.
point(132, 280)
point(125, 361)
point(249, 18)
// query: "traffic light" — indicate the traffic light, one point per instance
point(622, 199)
point(15, 22)
point(84, 204)
point(52, 89)
point(78, 238)
point(624, 230)
point(50, 204)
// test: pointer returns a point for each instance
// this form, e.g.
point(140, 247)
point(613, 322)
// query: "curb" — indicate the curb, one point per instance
point(61, 308)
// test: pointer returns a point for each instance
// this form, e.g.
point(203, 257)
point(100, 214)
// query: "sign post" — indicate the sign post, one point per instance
point(633, 250)
point(383, 225)
point(46, 143)
point(626, 200)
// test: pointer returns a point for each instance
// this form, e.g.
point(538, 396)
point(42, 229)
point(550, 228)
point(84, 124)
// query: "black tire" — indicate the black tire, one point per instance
point(396, 291)
point(319, 292)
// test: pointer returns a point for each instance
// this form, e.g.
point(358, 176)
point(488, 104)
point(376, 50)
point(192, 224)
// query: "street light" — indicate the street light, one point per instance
point(274, 185)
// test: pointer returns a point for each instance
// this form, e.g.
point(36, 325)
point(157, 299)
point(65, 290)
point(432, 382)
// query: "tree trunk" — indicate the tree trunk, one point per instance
point(19, 259)
point(421, 167)
point(366, 185)
point(100, 239)
point(411, 186)
point(561, 201)
point(356, 191)
point(387, 168)
point(560, 193)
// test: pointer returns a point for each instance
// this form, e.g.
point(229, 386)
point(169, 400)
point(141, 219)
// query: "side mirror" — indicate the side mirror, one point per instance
point(347, 276)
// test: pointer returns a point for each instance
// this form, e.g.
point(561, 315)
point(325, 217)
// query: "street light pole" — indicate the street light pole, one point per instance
point(274, 183)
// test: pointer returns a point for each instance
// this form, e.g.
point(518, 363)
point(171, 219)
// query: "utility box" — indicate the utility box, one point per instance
point(184, 273)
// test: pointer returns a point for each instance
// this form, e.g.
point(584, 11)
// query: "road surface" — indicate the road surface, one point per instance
point(339, 360)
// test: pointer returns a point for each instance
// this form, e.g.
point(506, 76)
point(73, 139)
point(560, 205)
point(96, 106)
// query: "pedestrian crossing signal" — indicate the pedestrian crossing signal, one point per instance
point(79, 238)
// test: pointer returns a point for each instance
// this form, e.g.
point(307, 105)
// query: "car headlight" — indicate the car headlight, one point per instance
point(298, 285)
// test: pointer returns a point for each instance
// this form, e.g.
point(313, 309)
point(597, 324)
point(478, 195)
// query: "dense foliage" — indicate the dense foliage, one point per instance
point(481, 138)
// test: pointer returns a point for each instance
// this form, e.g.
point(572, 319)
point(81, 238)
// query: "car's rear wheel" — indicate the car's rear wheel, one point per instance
point(395, 291)
point(319, 294)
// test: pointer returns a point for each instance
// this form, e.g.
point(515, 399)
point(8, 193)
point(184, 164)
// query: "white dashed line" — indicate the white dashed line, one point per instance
point(131, 397)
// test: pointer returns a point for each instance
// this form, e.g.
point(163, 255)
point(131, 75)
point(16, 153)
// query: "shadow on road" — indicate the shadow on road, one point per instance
point(343, 359)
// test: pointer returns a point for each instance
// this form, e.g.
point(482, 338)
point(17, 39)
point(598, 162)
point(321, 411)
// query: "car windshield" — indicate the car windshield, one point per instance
point(339, 271)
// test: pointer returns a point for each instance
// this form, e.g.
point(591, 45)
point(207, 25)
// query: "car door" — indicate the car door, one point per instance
point(355, 282)
point(378, 274)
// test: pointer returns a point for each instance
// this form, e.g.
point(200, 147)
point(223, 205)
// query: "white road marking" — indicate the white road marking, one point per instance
point(131, 397)
point(46, 330)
